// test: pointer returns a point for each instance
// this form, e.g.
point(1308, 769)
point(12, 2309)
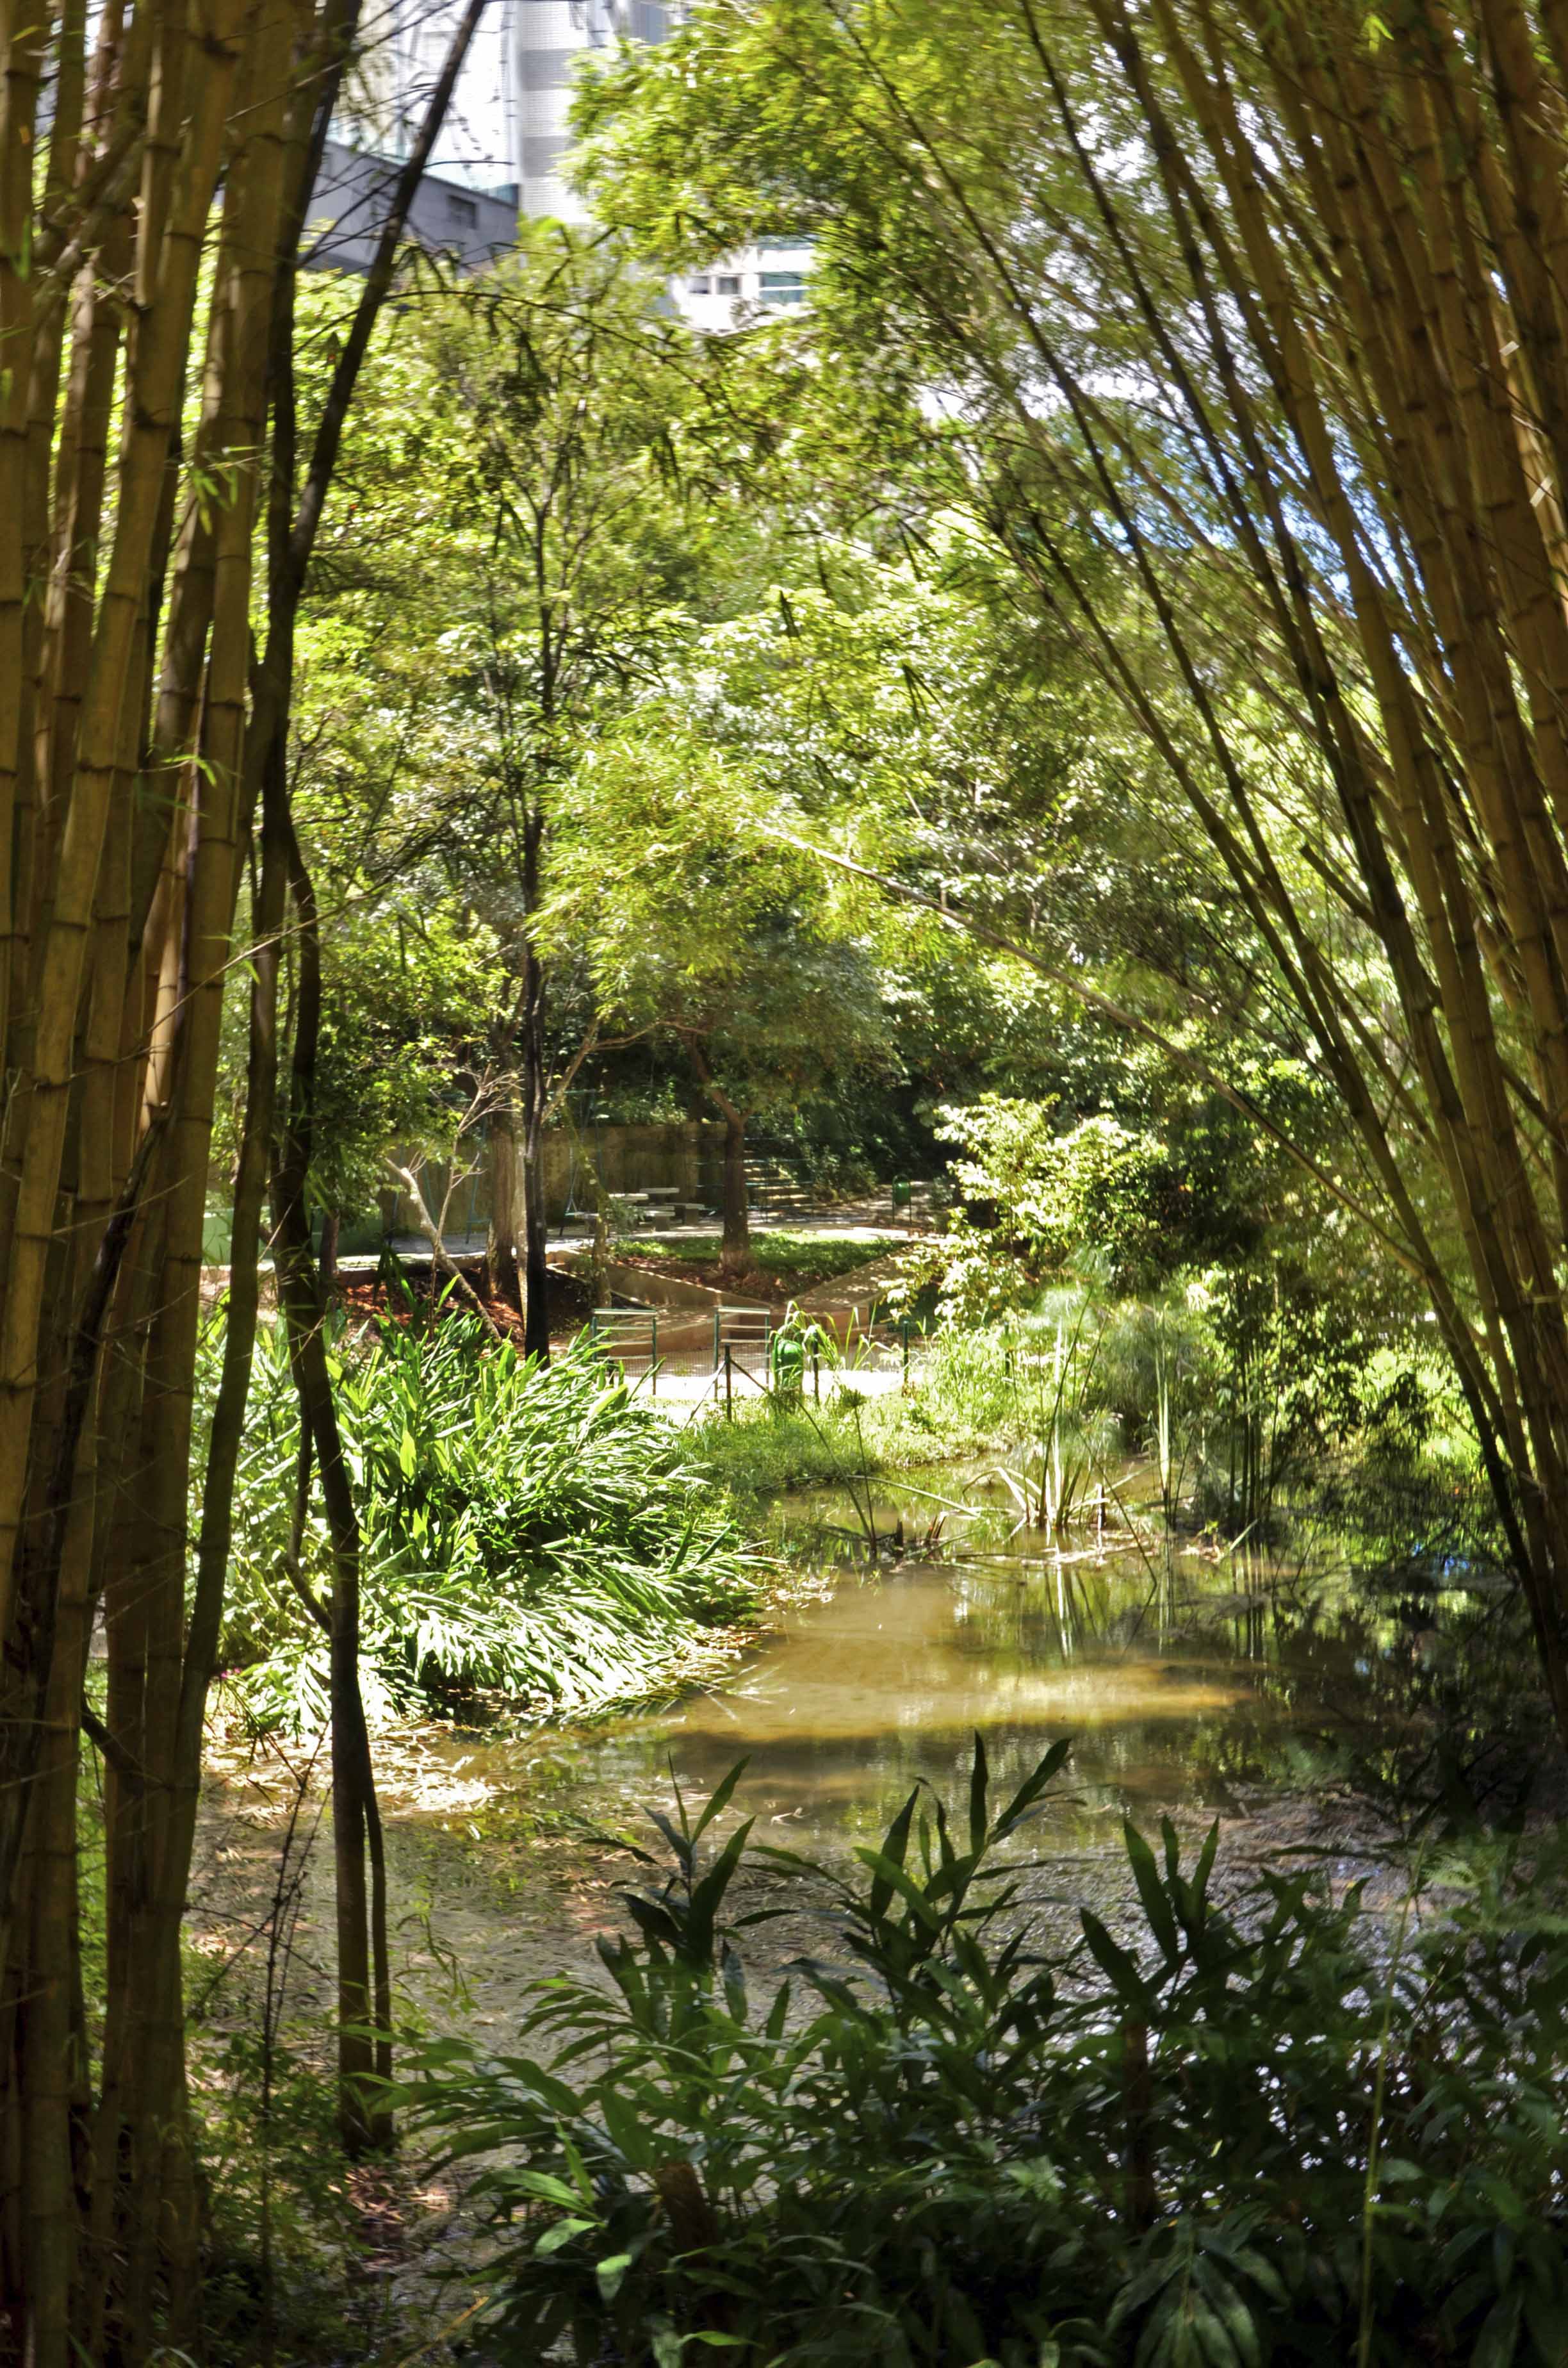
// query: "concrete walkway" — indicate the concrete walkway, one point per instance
point(845, 1304)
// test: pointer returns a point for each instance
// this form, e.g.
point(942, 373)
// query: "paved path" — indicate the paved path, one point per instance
point(845, 1303)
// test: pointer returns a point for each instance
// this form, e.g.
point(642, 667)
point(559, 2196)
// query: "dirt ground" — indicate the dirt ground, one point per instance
point(570, 1300)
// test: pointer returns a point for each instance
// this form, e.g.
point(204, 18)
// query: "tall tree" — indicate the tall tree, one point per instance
point(696, 928)
point(561, 381)
point(1269, 311)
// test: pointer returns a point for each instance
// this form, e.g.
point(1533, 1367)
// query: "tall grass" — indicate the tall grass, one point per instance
point(534, 1533)
point(776, 1444)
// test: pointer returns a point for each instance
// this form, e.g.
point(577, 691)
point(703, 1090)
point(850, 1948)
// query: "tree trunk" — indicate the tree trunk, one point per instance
point(363, 2029)
point(734, 1254)
point(536, 1272)
point(501, 1251)
point(364, 1984)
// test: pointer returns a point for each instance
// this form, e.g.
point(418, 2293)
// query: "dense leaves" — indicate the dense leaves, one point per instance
point(1262, 2124)
point(528, 1532)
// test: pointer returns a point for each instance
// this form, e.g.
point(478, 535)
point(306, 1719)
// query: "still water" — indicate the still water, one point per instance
point(1188, 1681)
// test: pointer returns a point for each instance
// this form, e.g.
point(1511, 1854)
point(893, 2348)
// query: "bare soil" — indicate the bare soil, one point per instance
point(571, 1300)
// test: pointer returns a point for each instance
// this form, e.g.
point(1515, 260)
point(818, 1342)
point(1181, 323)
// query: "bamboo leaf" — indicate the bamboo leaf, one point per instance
point(978, 1782)
point(889, 1860)
point(1115, 1963)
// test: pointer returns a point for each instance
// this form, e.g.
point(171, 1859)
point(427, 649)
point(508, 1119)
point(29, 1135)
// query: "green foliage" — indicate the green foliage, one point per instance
point(771, 1446)
point(1256, 2126)
point(1040, 1202)
point(401, 993)
point(508, 557)
point(1058, 1412)
point(694, 927)
point(270, 2161)
point(1243, 1376)
point(405, 983)
point(535, 1533)
point(1299, 1366)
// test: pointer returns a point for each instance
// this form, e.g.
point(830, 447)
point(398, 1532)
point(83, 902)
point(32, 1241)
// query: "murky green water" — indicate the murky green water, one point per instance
point(1185, 1680)
point(1199, 1684)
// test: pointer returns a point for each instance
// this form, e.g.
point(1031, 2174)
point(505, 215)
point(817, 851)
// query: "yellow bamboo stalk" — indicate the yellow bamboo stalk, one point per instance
point(164, 332)
point(175, 1667)
point(22, 35)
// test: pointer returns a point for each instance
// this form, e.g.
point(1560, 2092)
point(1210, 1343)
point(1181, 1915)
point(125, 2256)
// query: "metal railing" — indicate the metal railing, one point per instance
point(628, 1335)
point(745, 1332)
point(741, 1352)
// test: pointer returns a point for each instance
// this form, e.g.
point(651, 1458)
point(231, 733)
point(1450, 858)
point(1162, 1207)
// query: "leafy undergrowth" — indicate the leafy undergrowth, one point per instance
point(536, 1534)
point(1282, 2129)
point(961, 1405)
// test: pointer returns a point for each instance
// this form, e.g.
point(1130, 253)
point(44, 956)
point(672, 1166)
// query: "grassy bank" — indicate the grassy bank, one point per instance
point(1058, 1402)
point(782, 1265)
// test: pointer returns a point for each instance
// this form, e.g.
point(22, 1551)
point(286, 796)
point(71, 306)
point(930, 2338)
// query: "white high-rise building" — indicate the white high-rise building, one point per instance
point(547, 39)
point(504, 146)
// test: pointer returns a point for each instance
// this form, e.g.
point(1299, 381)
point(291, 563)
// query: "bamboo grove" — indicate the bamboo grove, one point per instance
point(157, 161)
point(1249, 329)
point(1375, 401)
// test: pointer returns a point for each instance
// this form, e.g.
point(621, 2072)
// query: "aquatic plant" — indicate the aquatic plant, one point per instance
point(532, 1531)
point(1277, 2127)
point(1050, 1360)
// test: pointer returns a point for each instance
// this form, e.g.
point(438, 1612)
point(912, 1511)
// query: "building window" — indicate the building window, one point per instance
point(464, 211)
point(699, 284)
point(728, 283)
point(782, 287)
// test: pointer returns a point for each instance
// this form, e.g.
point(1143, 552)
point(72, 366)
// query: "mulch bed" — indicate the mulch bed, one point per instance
point(778, 1286)
point(571, 1302)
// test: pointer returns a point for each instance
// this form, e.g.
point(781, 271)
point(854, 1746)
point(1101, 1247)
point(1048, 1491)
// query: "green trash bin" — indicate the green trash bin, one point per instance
point(788, 1360)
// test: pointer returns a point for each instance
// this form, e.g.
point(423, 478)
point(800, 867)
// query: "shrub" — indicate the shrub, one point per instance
point(1044, 1203)
point(1267, 2131)
point(535, 1532)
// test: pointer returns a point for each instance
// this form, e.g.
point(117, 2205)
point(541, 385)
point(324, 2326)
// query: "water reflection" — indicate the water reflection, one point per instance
point(1183, 1677)
point(1186, 1680)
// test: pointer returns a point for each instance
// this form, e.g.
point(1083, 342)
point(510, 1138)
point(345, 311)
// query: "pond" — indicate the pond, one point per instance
point(1197, 1683)
point(1190, 1681)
